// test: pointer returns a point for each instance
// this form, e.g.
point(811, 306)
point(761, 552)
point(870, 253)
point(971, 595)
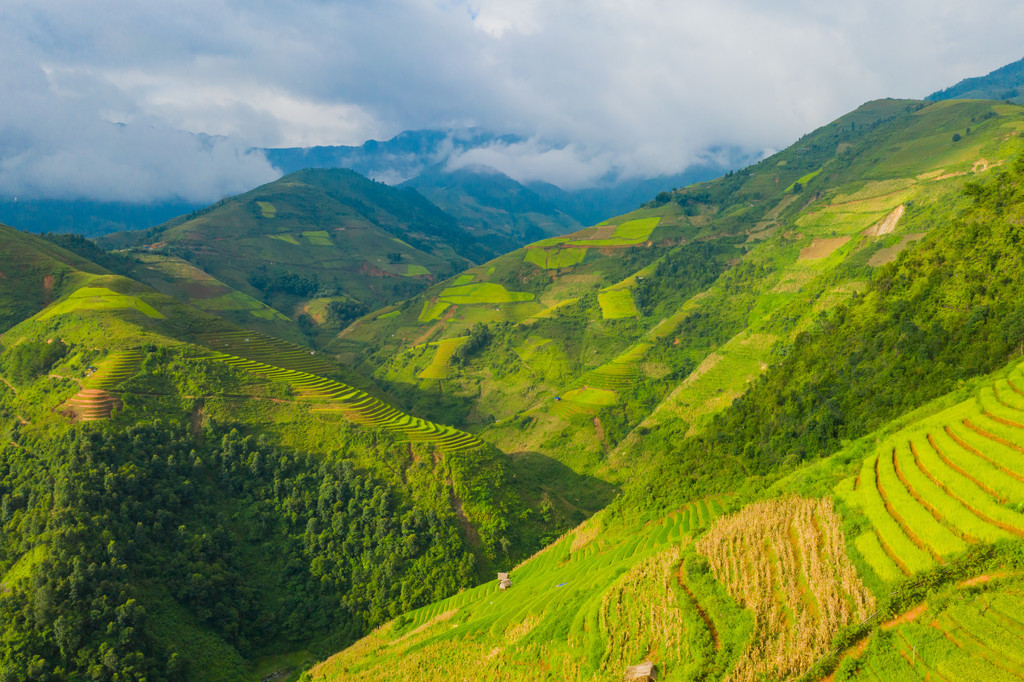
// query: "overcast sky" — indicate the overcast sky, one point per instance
point(103, 99)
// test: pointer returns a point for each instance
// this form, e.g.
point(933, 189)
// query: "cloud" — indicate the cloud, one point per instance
point(639, 88)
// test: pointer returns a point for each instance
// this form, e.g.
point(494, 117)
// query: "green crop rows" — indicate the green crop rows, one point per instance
point(359, 407)
point(949, 481)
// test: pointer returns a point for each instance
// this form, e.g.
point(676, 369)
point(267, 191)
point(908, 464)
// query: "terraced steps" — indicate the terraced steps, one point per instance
point(947, 482)
point(355, 405)
point(94, 401)
point(265, 349)
point(92, 404)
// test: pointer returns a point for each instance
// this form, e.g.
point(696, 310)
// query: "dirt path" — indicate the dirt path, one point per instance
point(906, 617)
point(9, 385)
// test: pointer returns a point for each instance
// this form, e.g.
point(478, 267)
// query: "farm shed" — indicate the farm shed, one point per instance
point(504, 582)
point(643, 672)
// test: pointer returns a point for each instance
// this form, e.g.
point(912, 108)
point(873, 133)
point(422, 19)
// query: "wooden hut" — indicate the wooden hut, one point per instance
point(645, 672)
point(504, 582)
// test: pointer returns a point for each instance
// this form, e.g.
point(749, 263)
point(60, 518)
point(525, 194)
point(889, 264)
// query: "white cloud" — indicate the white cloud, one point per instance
point(640, 87)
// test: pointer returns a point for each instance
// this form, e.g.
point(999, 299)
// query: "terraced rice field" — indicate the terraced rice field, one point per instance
point(327, 395)
point(786, 561)
point(596, 602)
point(973, 634)
point(483, 292)
point(584, 400)
point(629, 233)
point(432, 311)
point(621, 373)
point(95, 401)
point(266, 349)
point(949, 481)
point(439, 367)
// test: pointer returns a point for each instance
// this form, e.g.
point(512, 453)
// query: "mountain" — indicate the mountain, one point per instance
point(435, 154)
point(492, 206)
point(1005, 83)
point(88, 218)
point(183, 498)
point(317, 243)
point(394, 161)
point(806, 376)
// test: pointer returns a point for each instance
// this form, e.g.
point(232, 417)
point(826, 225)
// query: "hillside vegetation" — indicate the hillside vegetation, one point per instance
point(596, 347)
point(181, 498)
point(818, 562)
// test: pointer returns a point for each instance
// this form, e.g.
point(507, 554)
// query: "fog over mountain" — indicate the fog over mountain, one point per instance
point(144, 103)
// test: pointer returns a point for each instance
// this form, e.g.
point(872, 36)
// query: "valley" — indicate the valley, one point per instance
point(766, 426)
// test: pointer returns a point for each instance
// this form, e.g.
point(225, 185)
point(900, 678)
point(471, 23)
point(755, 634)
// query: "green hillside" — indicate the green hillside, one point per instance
point(182, 498)
point(763, 427)
point(582, 344)
point(314, 245)
point(870, 313)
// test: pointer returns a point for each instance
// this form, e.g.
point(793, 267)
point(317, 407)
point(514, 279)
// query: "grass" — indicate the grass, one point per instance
point(267, 209)
point(285, 237)
point(99, 298)
point(617, 304)
point(414, 270)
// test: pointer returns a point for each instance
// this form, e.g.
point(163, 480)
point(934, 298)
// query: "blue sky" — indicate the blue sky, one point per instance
point(111, 100)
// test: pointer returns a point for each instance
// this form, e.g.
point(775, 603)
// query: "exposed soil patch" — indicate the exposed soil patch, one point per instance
point(887, 255)
point(907, 617)
point(822, 248)
point(48, 287)
point(887, 224)
point(984, 578)
point(468, 530)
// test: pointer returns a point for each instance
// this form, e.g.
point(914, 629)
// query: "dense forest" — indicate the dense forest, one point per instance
point(267, 549)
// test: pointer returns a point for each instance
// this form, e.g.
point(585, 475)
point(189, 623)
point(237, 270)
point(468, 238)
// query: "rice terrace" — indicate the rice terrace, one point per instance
point(541, 404)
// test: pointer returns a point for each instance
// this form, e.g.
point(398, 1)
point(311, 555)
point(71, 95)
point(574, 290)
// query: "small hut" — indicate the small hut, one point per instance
point(504, 582)
point(645, 672)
